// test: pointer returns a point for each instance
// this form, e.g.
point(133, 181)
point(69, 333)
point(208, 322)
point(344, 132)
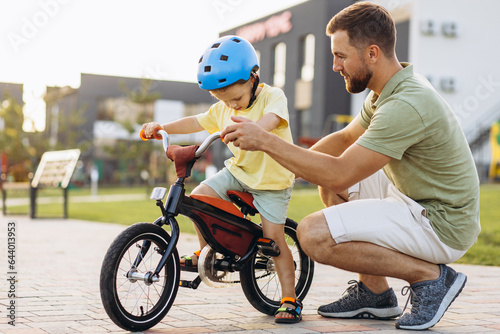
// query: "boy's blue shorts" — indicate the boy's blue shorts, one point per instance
point(272, 204)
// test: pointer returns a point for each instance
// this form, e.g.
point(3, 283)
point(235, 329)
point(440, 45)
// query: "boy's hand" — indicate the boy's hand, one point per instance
point(150, 129)
point(244, 134)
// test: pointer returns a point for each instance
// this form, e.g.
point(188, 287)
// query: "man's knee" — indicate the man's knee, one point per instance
point(302, 234)
point(330, 198)
point(314, 235)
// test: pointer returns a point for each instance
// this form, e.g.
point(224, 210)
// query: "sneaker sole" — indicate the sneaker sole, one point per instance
point(366, 312)
point(450, 296)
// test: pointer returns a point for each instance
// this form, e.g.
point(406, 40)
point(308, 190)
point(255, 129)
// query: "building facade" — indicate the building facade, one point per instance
point(453, 49)
point(13, 90)
point(295, 55)
point(444, 42)
point(106, 113)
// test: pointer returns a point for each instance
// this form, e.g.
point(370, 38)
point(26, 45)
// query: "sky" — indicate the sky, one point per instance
point(50, 42)
point(53, 41)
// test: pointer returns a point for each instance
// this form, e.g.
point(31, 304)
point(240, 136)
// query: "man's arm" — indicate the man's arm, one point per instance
point(334, 173)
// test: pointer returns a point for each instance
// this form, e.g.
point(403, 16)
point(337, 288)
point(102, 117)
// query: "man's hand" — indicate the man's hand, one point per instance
point(245, 134)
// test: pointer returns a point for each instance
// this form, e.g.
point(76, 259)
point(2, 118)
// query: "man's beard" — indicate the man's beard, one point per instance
point(359, 80)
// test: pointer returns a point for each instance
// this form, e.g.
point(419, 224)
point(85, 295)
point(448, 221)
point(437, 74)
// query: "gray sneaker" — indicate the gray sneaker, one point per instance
point(359, 302)
point(431, 299)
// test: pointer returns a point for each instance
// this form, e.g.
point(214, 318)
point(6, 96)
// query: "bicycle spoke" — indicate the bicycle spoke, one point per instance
point(156, 285)
point(132, 302)
point(138, 292)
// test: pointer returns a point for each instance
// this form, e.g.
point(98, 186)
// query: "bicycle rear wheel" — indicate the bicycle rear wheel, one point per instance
point(259, 279)
point(136, 304)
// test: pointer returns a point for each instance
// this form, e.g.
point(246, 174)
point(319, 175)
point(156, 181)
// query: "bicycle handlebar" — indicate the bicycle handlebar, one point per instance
point(206, 143)
point(163, 135)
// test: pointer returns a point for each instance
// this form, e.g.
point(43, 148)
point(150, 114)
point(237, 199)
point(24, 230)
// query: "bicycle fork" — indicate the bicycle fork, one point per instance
point(168, 213)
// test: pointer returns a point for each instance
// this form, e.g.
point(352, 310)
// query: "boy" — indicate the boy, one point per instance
point(227, 70)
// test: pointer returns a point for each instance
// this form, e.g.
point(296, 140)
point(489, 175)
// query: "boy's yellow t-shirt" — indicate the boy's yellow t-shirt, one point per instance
point(255, 169)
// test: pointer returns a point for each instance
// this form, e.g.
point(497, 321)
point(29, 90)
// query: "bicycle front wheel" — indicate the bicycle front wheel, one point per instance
point(259, 279)
point(133, 303)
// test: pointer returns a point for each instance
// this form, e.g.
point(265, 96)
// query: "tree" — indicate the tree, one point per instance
point(14, 142)
point(134, 156)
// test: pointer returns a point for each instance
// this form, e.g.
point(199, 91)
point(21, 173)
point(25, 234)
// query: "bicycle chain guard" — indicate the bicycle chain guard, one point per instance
point(211, 276)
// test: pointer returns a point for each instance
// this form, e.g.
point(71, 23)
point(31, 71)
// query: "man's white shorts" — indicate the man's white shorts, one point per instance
point(378, 213)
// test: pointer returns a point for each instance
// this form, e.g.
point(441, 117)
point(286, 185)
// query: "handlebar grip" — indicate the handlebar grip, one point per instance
point(156, 135)
point(142, 135)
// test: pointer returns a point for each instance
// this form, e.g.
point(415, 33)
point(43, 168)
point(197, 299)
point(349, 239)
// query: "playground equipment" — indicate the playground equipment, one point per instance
point(494, 173)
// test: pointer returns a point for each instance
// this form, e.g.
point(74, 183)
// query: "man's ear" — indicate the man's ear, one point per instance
point(372, 53)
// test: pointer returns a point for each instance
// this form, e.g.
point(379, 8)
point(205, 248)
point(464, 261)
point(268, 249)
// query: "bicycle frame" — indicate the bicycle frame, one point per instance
point(178, 203)
point(141, 272)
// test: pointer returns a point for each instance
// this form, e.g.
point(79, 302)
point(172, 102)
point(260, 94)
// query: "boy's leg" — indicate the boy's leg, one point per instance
point(283, 263)
point(215, 186)
point(201, 189)
point(273, 206)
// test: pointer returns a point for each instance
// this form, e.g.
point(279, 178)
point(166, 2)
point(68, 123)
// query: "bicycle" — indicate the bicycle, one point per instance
point(140, 273)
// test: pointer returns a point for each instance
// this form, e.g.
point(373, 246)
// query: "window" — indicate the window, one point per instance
point(303, 86)
point(305, 123)
point(307, 70)
point(279, 65)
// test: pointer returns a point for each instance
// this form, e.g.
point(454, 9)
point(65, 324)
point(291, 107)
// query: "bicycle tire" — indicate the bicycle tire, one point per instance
point(134, 305)
point(261, 284)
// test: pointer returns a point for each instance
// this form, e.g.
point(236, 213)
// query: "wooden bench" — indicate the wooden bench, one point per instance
point(54, 171)
point(14, 187)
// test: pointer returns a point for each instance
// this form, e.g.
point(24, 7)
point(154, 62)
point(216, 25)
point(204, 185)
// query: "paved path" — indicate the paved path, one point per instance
point(58, 268)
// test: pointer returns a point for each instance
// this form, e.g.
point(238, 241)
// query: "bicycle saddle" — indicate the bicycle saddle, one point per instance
point(244, 200)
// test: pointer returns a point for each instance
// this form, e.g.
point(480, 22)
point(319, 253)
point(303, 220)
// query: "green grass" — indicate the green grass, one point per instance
point(57, 192)
point(304, 201)
point(487, 249)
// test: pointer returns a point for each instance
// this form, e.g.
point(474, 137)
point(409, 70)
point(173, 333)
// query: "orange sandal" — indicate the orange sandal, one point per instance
point(296, 312)
point(188, 262)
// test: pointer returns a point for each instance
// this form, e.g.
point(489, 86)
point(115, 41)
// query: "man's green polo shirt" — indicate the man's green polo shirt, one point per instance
point(431, 160)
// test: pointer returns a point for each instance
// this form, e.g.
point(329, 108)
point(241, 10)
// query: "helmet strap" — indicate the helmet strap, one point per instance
point(254, 89)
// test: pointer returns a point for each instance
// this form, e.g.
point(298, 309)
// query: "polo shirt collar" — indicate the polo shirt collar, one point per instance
point(393, 82)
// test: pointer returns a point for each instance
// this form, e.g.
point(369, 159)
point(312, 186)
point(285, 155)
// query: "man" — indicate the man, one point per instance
point(399, 182)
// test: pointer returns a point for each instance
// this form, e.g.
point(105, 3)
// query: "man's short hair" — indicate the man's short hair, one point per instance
point(366, 23)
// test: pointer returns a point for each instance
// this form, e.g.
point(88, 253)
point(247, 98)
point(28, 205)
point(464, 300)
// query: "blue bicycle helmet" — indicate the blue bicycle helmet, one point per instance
point(228, 60)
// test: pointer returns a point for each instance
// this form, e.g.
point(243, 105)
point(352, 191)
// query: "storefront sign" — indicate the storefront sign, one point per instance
point(272, 27)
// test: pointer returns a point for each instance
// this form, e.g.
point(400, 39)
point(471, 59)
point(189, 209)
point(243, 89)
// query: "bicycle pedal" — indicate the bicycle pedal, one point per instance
point(190, 284)
point(190, 269)
point(268, 247)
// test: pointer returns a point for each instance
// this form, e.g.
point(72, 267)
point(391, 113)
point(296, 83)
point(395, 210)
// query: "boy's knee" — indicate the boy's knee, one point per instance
point(203, 189)
point(273, 231)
